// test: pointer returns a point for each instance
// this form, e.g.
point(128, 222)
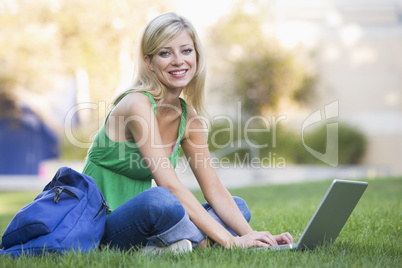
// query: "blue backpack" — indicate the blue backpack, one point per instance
point(70, 214)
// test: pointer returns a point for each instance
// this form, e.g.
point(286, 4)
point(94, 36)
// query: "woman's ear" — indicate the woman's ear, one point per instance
point(147, 60)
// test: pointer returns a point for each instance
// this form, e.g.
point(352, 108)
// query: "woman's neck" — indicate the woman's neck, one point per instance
point(171, 104)
point(172, 96)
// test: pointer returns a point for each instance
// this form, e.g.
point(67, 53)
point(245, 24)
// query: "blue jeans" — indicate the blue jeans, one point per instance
point(157, 216)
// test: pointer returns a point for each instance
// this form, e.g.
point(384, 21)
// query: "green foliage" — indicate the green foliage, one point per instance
point(254, 64)
point(352, 143)
point(43, 42)
point(370, 238)
point(265, 76)
point(275, 140)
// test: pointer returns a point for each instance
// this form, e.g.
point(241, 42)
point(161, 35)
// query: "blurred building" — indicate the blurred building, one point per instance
point(31, 126)
point(357, 46)
point(25, 141)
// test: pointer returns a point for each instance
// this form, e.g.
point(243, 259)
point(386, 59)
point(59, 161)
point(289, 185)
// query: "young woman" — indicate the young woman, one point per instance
point(141, 139)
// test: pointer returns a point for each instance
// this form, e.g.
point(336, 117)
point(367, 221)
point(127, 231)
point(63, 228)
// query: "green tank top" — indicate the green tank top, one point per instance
point(118, 167)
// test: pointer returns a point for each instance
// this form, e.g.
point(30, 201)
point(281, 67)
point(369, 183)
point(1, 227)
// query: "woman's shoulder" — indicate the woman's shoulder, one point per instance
point(191, 113)
point(134, 102)
point(194, 121)
point(138, 96)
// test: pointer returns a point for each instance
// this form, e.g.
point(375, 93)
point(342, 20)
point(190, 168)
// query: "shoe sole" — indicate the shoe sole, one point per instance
point(181, 246)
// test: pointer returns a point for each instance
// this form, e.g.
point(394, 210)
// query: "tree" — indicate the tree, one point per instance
point(252, 64)
point(44, 42)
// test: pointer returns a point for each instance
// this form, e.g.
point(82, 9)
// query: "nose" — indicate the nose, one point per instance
point(177, 60)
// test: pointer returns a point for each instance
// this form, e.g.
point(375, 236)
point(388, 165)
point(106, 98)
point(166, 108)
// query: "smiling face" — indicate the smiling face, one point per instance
point(175, 63)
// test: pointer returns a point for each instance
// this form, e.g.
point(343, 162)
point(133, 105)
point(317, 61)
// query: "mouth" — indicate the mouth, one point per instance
point(178, 73)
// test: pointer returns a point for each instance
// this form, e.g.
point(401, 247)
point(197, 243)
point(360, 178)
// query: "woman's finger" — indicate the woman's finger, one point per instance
point(269, 238)
point(288, 235)
point(285, 238)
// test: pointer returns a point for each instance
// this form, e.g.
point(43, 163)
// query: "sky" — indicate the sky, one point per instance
point(203, 13)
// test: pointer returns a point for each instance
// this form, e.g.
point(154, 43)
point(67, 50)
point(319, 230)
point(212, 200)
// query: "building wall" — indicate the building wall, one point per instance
point(357, 48)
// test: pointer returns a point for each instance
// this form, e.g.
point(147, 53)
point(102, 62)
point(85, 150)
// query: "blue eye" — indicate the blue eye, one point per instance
point(164, 53)
point(188, 51)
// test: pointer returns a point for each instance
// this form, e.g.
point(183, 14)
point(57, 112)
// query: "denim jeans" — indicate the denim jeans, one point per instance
point(157, 216)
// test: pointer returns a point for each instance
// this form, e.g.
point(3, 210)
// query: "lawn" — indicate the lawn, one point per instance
point(370, 238)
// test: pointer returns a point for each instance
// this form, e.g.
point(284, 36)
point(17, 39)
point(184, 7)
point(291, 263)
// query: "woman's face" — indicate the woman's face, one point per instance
point(175, 63)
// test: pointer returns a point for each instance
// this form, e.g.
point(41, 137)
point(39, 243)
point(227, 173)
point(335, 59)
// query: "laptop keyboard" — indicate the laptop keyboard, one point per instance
point(279, 247)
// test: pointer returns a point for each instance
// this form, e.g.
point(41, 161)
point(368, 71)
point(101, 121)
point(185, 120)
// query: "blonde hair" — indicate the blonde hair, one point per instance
point(155, 35)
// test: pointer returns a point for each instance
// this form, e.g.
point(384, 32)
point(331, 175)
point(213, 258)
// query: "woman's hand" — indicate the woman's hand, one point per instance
point(284, 238)
point(261, 239)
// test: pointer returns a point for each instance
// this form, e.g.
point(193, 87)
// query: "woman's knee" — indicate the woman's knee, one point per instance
point(163, 202)
point(152, 212)
point(241, 204)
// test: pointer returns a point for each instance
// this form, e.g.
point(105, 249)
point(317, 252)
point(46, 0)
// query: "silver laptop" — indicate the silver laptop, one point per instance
point(330, 216)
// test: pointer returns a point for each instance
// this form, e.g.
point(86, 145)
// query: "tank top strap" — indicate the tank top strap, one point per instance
point(131, 91)
point(151, 99)
point(183, 120)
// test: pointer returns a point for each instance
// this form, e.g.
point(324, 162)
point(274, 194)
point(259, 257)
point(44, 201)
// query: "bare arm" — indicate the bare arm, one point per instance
point(197, 152)
point(144, 128)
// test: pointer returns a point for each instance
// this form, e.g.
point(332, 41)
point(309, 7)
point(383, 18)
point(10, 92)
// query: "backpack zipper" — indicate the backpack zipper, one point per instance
point(104, 204)
point(59, 190)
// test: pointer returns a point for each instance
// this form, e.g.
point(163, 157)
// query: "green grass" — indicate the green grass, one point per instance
point(370, 238)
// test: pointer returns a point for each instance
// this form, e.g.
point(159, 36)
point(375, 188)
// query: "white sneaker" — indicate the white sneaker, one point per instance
point(180, 246)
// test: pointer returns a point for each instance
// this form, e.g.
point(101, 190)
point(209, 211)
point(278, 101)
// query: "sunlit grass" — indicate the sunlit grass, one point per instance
point(370, 238)
point(11, 202)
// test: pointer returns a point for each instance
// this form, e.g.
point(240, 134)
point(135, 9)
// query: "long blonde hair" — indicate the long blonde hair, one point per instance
point(155, 35)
